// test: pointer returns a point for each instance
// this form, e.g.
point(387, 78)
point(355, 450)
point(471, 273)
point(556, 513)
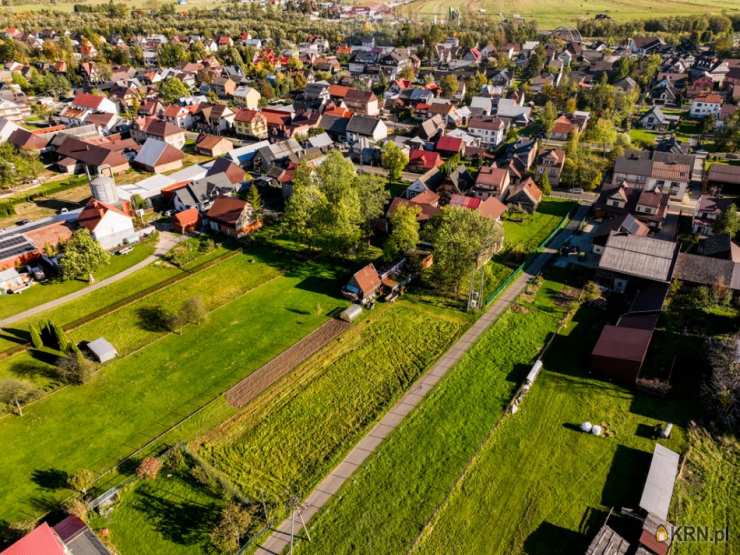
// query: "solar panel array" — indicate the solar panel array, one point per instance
point(14, 245)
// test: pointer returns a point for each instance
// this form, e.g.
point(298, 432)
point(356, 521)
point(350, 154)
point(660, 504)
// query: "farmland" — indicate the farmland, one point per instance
point(551, 13)
point(288, 438)
point(163, 377)
point(395, 493)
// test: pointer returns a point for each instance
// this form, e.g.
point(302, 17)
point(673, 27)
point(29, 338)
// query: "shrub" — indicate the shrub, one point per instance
point(33, 330)
point(82, 480)
point(149, 468)
point(74, 368)
point(234, 522)
point(76, 506)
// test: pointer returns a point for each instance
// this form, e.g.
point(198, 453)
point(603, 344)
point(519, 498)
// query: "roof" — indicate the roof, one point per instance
point(225, 166)
point(623, 343)
point(724, 173)
point(248, 116)
point(529, 188)
point(363, 125)
point(227, 210)
point(155, 152)
point(93, 212)
point(102, 349)
point(658, 490)
point(159, 128)
point(633, 255)
point(449, 144)
point(707, 270)
point(186, 218)
point(607, 542)
point(209, 142)
point(42, 540)
point(367, 279)
point(87, 100)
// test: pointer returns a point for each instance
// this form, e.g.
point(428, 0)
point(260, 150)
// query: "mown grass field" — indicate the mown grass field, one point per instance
point(551, 13)
point(390, 499)
point(294, 433)
point(136, 397)
point(530, 230)
point(539, 483)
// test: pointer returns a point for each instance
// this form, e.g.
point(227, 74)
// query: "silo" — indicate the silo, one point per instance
point(103, 188)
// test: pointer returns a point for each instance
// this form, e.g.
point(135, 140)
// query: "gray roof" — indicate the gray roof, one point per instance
point(707, 270)
point(362, 125)
point(644, 257)
point(102, 349)
point(658, 490)
point(322, 140)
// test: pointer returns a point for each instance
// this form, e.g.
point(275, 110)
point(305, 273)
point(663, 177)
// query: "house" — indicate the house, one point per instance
point(70, 536)
point(664, 171)
point(625, 224)
point(509, 109)
point(179, 116)
point(212, 145)
point(490, 130)
point(21, 246)
point(423, 160)
point(162, 130)
point(643, 46)
point(222, 86)
point(706, 105)
point(562, 128)
point(364, 285)
point(551, 162)
point(110, 225)
point(278, 154)
point(247, 97)
point(250, 123)
point(627, 257)
point(186, 220)
point(366, 128)
point(214, 118)
point(707, 270)
point(525, 194)
point(708, 210)
point(85, 104)
point(449, 146)
point(490, 208)
point(7, 127)
point(656, 120)
point(491, 182)
point(724, 176)
point(232, 216)
point(426, 201)
point(103, 156)
point(158, 157)
point(364, 103)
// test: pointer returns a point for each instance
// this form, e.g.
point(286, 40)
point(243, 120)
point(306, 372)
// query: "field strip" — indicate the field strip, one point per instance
point(262, 378)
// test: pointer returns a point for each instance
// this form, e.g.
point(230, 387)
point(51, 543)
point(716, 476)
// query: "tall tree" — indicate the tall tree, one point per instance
point(461, 239)
point(255, 200)
point(727, 221)
point(548, 116)
point(404, 231)
point(172, 89)
point(394, 159)
point(232, 525)
point(82, 256)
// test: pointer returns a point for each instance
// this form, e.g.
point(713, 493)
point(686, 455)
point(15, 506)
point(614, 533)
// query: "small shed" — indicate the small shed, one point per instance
point(620, 352)
point(351, 313)
point(658, 490)
point(102, 349)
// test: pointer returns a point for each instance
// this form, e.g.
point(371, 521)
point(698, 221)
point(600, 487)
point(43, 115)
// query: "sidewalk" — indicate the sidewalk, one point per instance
point(165, 242)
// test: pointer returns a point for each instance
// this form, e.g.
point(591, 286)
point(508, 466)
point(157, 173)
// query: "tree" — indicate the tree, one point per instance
point(374, 194)
point(603, 132)
point(192, 311)
point(74, 368)
point(75, 506)
point(233, 523)
point(394, 159)
point(404, 231)
point(591, 291)
point(172, 89)
point(462, 238)
point(571, 105)
point(727, 221)
point(16, 393)
point(82, 255)
point(149, 468)
point(548, 117)
point(35, 334)
point(545, 184)
point(82, 480)
point(450, 85)
point(255, 201)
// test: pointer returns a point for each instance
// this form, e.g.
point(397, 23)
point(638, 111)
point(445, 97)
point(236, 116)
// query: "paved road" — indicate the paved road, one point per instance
point(280, 538)
point(166, 241)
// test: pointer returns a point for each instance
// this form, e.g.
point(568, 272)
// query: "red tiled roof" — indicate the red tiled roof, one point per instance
point(87, 100)
point(426, 159)
point(94, 211)
point(227, 210)
point(338, 90)
point(449, 144)
point(186, 218)
point(42, 540)
point(367, 279)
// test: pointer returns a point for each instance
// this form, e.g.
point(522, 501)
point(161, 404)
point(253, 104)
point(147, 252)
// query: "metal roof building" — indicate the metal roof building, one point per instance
point(643, 257)
point(658, 490)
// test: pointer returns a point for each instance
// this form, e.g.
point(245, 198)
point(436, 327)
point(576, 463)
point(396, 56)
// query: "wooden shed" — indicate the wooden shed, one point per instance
point(620, 352)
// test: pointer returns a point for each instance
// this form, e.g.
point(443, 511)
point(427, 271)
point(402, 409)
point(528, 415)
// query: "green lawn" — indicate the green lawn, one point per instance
point(291, 436)
point(530, 230)
point(388, 501)
point(42, 293)
point(134, 398)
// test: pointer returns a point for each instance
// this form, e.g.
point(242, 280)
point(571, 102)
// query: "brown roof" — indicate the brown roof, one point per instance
point(492, 208)
point(186, 218)
point(623, 343)
point(232, 171)
point(491, 177)
point(247, 116)
point(724, 173)
point(209, 142)
point(227, 210)
point(367, 279)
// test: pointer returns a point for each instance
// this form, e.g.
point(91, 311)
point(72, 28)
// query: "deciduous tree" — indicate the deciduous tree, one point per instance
point(232, 525)
point(394, 159)
point(82, 256)
point(404, 231)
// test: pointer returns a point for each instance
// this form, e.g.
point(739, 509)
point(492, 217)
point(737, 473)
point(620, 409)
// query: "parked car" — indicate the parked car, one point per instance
point(24, 221)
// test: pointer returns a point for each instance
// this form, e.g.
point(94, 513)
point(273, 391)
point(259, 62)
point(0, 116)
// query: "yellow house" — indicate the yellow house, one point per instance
point(250, 123)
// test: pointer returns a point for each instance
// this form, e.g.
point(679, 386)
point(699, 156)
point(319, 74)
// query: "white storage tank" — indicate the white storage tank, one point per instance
point(103, 188)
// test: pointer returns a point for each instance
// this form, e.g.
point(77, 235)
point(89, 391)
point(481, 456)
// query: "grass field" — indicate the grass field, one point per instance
point(535, 228)
point(42, 293)
point(389, 500)
point(551, 13)
point(707, 491)
point(136, 397)
point(288, 438)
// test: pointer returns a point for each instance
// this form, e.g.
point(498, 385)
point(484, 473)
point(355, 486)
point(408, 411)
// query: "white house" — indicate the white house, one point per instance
point(247, 96)
point(110, 225)
point(366, 127)
point(707, 105)
point(490, 130)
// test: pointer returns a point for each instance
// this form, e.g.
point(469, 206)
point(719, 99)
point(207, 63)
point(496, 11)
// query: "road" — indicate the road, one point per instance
point(165, 242)
point(280, 539)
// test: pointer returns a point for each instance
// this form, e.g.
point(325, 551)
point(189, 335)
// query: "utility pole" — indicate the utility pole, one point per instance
point(295, 507)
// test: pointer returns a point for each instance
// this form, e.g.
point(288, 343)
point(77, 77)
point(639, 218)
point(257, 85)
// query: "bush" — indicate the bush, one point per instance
point(74, 368)
point(234, 523)
point(82, 480)
point(77, 507)
point(149, 468)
